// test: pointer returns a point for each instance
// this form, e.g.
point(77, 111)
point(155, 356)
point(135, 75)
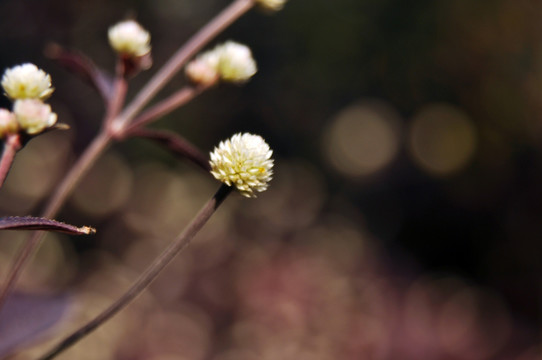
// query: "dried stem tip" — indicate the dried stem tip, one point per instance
point(244, 161)
point(26, 81)
point(129, 38)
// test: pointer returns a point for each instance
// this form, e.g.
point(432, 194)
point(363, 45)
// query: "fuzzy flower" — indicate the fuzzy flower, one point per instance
point(273, 5)
point(204, 69)
point(230, 61)
point(129, 38)
point(236, 63)
point(33, 116)
point(8, 123)
point(26, 81)
point(244, 161)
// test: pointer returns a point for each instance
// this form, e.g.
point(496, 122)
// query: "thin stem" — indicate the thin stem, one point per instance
point(176, 144)
point(179, 58)
point(148, 276)
point(164, 107)
point(98, 145)
point(114, 105)
point(11, 146)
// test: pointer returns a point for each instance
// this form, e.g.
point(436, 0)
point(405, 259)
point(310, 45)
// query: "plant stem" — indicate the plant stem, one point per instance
point(114, 105)
point(11, 146)
point(179, 58)
point(174, 101)
point(98, 145)
point(148, 276)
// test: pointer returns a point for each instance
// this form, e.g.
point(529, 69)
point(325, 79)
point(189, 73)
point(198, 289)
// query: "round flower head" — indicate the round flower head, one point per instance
point(26, 81)
point(204, 69)
point(33, 116)
point(8, 123)
point(129, 38)
point(236, 63)
point(244, 161)
point(271, 4)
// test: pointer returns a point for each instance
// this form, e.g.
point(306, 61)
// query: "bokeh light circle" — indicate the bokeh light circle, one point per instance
point(362, 139)
point(442, 139)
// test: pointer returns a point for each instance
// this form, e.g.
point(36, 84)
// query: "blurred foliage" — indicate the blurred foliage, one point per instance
point(407, 194)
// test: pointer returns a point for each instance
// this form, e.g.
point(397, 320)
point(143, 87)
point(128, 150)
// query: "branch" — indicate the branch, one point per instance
point(12, 144)
point(175, 144)
point(82, 66)
point(148, 276)
point(164, 107)
point(37, 223)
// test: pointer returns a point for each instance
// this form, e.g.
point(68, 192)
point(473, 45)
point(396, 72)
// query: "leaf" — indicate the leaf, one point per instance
point(81, 65)
point(27, 317)
point(37, 223)
point(175, 144)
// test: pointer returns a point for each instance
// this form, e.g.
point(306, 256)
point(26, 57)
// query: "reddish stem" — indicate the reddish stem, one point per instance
point(11, 146)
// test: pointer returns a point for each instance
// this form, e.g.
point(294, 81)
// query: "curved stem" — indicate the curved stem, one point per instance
point(148, 276)
point(179, 58)
point(98, 145)
point(11, 146)
point(164, 107)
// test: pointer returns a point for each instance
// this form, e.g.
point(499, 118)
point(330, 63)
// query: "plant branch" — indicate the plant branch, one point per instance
point(179, 58)
point(164, 107)
point(93, 151)
point(12, 144)
point(176, 144)
point(115, 102)
point(148, 276)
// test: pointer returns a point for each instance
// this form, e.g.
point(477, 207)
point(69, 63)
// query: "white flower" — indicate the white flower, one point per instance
point(204, 69)
point(230, 61)
point(236, 63)
point(33, 115)
point(244, 161)
point(26, 81)
point(8, 124)
point(129, 38)
point(271, 4)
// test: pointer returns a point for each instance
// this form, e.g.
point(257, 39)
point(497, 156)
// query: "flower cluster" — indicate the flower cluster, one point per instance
point(130, 39)
point(243, 161)
point(27, 86)
point(231, 61)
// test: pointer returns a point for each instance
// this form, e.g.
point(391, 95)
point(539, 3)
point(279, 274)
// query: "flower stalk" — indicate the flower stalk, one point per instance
point(148, 276)
point(12, 144)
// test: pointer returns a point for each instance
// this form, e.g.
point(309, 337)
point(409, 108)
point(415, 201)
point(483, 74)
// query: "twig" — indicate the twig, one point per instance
point(98, 145)
point(148, 276)
point(176, 144)
point(12, 144)
point(164, 107)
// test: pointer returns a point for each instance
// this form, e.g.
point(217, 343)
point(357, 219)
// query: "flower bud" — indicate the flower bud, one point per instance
point(129, 38)
point(273, 5)
point(230, 61)
point(8, 123)
point(26, 81)
point(33, 115)
point(243, 161)
point(236, 62)
point(204, 69)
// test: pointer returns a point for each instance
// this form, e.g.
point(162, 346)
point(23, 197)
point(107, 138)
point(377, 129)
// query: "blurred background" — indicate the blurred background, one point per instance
point(404, 220)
